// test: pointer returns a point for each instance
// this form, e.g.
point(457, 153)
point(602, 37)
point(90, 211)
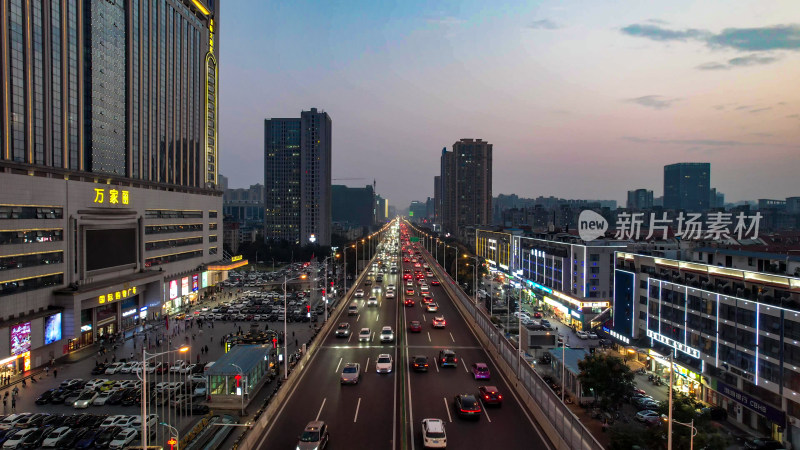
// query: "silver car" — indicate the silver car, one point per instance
point(351, 373)
point(314, 437)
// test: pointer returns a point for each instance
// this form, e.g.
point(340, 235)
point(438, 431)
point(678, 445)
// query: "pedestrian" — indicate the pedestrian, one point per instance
point(206, 349)
point(55, 372)
point(295, 342)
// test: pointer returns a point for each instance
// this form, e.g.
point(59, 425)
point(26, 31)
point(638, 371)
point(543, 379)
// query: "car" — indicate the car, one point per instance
point(45, 397)
point(390, 294)
point(87, 439)
point(111, 421)
point(410, 291)
point(384, 363)
point(415, 326)
point(343, 330)
point(490, 395)
point(419, 363)
point(582, 334)
point(99, 369)
point(763, 444)
point(426, 300)
point(432, 307)
point(127, 367)
point(114, 368)
point(16, 441)
point(351, 373)
point(447, 358)
point(408, 301)
point(387, 335)
point(12, 420)
point(373, 301)
point(364, 335)
point(390, 287)
point(177, 366)
point(435, 282)
point(367, 282)
point(315, 436)
point(85, 399)
point(91, 384)
point(467, 406)
point(537, 314)
point(438, 322)
point(647, 416)
point(200, 390)
point(649, 404)
point(53, 438)
point(106, 436)
point(359, 293)
point(197, 378)
point(423, 287)
point(546, 323)
point(433, 434)
point(352, 309)
point(592, 334)
point(480, 371)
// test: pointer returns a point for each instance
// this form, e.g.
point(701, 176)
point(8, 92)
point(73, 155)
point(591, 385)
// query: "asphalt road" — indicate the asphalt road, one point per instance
point(384, 411)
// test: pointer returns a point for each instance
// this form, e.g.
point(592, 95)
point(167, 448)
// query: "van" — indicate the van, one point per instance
point(352, 310)
point(208, 366)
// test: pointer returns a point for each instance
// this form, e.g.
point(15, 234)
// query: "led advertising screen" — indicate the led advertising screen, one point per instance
point(52, 329)
point(21, 338)
point(173, 289)
point(110, 248)
point(195, 282)
point(184, 285)
point(204, 280)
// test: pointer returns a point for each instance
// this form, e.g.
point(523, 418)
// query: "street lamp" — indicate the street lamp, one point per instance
point(563, 365)
point(694, 432)
point(285, 337)
point(242, 378)
point(475, 280)
point(176, 445)
point(345, 262)
point(145, 391)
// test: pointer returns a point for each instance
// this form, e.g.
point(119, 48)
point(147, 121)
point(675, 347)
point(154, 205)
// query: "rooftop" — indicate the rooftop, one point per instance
point(245, 356)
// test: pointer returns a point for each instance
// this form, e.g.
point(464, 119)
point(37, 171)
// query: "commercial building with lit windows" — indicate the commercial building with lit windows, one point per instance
point(109, 207)
point(569, 277)
point(733, 331)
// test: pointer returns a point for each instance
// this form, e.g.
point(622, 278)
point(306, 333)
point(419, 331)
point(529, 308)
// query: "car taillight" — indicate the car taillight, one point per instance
point(455, 359)
point(444, 359)
point(500, 397)
point(486, 397)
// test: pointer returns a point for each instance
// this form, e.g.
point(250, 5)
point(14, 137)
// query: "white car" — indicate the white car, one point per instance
point(114, 420)
point(389, 294)
point(127, 367)
point(359, 293)
point(582, 335)
point(592, 334)
point(384, 363)
point(96, 383)
point(188, 368)
point(197, 378)
point(15, 441)
point(114, 368)
point(177, 366)
point(54, 436)
point(433, 434)
point(152, 421)
point(10, 421)
point(101, 398)
point(373, 301)
point(364, 335)
point(387, 335)
point(200, 390)
point(123, 438)
point(390, 287)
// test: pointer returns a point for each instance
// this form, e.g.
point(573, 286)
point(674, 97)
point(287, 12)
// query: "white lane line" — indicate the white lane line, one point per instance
point(320, 408)
point(423, 318)
point(451, 337)
point(485, 411)
point(358, 317)
point(429, 336)
point(359, 405)
point(366, 367)
point(446, 408)
point(465, 366)
point(377, 317)
point(337, 366)
point(437, 364)
point(349, 337)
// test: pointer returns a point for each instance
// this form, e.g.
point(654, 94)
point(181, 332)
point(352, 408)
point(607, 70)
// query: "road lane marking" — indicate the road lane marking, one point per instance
point(446, 408)
point(320, 408)
point(358, 406)
point(366, 367)
point(423, 318)
point(465, 365)
point(437, 364)
point(358, 317)
point(377, 317)
point(451, 337)
point(337, 365)
point(429, 336)
point(349, 337)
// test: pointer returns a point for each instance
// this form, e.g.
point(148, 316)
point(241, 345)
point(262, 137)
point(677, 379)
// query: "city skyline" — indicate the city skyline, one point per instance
point(572, 97)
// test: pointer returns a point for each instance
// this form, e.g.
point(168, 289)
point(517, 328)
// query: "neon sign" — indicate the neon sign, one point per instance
point(118, 295)
point(114, 197)
point(674, 344)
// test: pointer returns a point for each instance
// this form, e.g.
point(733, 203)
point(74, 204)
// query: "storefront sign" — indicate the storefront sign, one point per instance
point(184, 285)
point(204, 280)
point(195, 282)
point(21, 338)
point(85, 328)
point(129, 312)
point(173, 289)
point(236, 258)
point(617, 336)
point(694, 353)
point(770, 412)
point(576, 315)
point(539, 286)
point(111, 196)
point(118, 295)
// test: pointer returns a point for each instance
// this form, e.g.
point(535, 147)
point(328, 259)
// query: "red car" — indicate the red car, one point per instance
point(537, 315)
point(438, 322)
point(435, 282)
point(415, 326)
point(409, 302)
point(410, 291)
point(490, 395)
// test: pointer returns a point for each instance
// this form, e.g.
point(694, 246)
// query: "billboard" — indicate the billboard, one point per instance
point(21, 338)
point(173, 289)
point(195, 282)
point(204, 280)
point(184, 285)
point(52, 329)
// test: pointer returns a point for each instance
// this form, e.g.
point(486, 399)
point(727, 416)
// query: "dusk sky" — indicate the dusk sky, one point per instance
point(581, 99)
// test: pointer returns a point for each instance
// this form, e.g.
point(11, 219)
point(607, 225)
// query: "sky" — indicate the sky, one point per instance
point(580, 99)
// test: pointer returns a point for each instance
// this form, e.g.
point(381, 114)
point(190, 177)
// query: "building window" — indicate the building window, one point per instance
point(212, 251)
point(30, 284)
point(212, 214)
point(166, 259)
point(31, 260)
point(172, 214)
point(175, 228)
point(171, 243)
point(31, 236)
point(31, 212)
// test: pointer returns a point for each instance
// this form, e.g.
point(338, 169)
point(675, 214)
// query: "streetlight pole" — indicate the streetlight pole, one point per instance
point(285, 337)
point(241, 373)
point(694, 432)
point(563, 366)
point(669, 424)
point(145, 391)
point(172, 430)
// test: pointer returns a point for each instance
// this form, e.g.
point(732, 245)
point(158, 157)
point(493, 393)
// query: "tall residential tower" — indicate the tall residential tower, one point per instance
point(687, 186)
point(466, 180)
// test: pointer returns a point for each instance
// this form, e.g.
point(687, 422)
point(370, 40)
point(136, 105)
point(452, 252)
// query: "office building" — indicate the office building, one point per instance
point(466, 177)
point(353, 207)
point(687, 186)
point(640, 199)
point(732, 328)
point(109, 207)
point(417, 211)
point(297, 178)
point(381, 210)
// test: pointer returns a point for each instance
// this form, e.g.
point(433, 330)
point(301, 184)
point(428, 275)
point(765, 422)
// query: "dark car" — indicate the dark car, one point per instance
point(467, 406)
point(447, 358)
point(34, 440)
point(715, 413)
point(199, 409)
point(88, 439)
point(71, 438)
point(490, 395)
point(46, 396)
point(764, 444)
point(419, 363)
point(100, 369)
point(53, 420)
point(59, 395)
point(106, 436)
point(116, 397)
point(131, 397)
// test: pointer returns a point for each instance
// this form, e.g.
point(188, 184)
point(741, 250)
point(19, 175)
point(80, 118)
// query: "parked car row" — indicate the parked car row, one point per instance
point(80, 431)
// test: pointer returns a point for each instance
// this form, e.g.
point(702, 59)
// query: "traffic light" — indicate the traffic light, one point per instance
point(238, 378)
point(308, 308)
point(323, 292)
point(274, 342)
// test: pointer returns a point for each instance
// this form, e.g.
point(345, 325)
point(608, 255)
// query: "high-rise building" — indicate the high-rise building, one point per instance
point(353, 206)
point(437, 199)
point(416, 211)
point(108, 178)
point(297, 178)
point(466, 177)
point(687, 186)
point(640, 199)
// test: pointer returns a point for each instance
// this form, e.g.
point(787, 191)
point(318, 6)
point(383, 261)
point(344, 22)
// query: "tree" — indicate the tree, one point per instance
point(684, 409)
point(627, 436)
point(607, 376)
